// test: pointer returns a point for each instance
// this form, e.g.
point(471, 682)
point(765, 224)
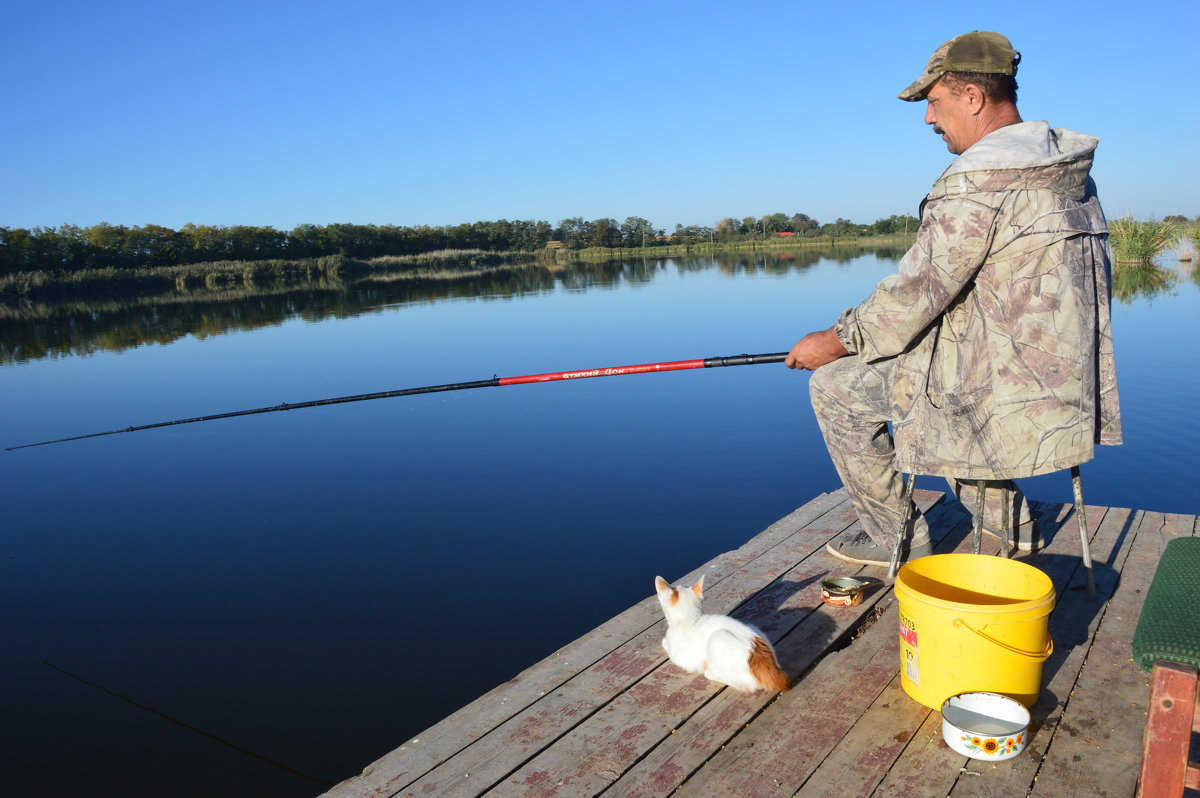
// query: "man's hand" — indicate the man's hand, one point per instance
point(815, 350)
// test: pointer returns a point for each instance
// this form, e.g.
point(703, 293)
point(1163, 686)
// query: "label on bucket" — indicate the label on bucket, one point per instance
point(909, 649)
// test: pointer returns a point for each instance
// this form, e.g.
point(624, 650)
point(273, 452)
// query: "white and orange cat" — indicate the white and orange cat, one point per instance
point(722, 648)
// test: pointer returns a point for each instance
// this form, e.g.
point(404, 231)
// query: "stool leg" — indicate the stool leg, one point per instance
point(1085, 549)
point(1005, 521)
point(977, 540)
point(902, 532)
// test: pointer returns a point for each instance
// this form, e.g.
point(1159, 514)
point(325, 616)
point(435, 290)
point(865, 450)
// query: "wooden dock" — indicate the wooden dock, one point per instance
point(607, 714)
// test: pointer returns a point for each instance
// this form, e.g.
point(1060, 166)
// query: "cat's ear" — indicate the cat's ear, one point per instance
point(660, 584)
point(698, 588)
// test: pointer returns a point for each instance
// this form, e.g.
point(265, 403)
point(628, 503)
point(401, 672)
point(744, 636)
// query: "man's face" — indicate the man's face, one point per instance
point(951, 117)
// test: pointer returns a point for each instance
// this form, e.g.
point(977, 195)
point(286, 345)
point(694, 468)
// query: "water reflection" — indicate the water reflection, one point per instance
point(37, 329)
point(1191, 270)
point(1133, 280)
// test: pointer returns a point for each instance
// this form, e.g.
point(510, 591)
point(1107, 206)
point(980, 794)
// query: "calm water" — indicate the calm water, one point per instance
point(266, 603)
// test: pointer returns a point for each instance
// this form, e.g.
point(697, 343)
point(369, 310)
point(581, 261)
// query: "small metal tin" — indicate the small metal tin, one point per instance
point(842, 591)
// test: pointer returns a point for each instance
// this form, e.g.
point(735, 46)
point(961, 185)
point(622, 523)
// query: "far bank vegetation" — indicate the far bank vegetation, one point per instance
point(107, 251)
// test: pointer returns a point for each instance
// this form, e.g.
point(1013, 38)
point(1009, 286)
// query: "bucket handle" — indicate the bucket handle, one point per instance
point(1043, 654)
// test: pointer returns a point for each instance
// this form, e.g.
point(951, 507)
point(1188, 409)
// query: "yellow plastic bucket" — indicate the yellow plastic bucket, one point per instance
point(973, 622)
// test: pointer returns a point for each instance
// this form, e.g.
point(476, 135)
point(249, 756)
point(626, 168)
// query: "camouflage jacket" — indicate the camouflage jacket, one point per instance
point(998, 317)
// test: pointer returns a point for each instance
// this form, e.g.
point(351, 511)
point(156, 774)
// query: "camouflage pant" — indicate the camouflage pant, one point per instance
point(852, 402)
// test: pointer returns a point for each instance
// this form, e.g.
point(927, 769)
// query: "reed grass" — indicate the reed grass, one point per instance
point(1140, 242)
point(1190, 250)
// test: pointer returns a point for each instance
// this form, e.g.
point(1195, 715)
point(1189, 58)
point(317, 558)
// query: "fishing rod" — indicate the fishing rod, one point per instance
point(494, 382)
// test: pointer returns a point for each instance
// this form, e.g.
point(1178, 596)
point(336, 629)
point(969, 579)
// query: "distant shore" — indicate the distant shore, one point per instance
point(441, 265)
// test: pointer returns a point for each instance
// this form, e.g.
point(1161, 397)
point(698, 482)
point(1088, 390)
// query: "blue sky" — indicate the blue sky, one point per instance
point(284, 113)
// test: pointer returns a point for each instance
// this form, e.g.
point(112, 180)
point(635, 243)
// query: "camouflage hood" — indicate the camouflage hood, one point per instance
point(998, 317)
point(1027, 145)
point(1028, 155)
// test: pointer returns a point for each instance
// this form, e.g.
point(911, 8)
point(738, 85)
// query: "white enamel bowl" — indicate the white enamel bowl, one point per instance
point(986, 726)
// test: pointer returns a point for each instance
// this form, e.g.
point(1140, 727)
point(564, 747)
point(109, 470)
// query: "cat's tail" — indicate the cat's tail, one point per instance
point(765, 668)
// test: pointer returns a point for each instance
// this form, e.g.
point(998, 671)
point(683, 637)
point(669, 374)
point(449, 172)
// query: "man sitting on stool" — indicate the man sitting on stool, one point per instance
point(990, 350)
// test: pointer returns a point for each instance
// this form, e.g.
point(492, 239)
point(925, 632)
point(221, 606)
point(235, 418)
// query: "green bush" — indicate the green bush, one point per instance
point(1140, 242)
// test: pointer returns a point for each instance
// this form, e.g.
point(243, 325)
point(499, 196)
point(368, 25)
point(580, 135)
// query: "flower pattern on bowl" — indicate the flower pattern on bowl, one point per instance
point(992, 745)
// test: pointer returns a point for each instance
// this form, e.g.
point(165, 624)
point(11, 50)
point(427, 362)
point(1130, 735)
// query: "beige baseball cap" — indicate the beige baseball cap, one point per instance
point(977, 51)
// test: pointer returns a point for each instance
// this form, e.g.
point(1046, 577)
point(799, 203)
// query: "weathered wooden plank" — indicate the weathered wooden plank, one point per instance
point(500, 706)
point(623, 731)
point(1181, 526)
point(927, 766)
point(1096, 748)
point(689, 745)
point(863, 757)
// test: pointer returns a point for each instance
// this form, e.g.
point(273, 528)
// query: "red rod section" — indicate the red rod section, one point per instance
point(612, 371)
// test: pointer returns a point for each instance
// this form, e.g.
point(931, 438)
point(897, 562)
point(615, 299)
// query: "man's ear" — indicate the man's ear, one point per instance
point(975, 97)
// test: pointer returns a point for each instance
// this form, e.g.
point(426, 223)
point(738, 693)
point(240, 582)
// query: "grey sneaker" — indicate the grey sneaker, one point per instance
point(861, 549)
point(1028, 536)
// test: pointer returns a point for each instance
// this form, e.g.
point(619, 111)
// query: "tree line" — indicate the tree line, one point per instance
point(102, 246)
